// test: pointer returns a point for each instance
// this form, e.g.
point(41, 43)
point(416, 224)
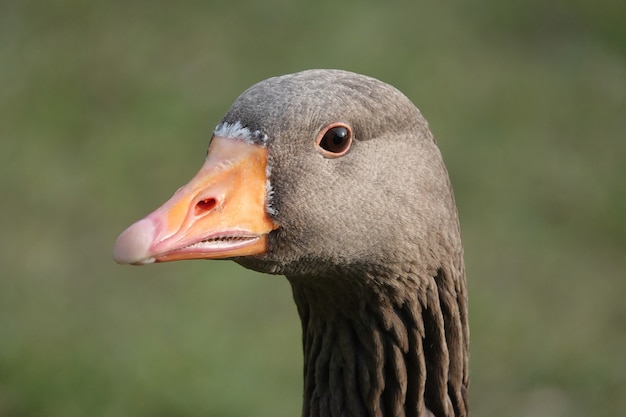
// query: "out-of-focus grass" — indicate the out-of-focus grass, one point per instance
point(106, 108)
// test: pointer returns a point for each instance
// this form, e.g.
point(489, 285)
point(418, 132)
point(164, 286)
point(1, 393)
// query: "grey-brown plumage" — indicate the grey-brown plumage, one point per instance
point(370, 243)
point(334, 180)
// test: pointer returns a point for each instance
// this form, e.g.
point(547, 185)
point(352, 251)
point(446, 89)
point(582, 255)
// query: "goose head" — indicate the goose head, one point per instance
point(333, 168)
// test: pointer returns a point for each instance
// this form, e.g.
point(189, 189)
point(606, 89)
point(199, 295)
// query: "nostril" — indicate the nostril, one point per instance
point(204, 206)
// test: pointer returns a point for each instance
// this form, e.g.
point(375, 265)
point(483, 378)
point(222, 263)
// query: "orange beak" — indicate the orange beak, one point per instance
point(220, 213)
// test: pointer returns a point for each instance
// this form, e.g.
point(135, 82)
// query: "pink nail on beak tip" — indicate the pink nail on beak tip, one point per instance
point(133, 245)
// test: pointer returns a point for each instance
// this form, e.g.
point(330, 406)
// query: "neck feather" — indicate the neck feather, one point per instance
point(385, 352)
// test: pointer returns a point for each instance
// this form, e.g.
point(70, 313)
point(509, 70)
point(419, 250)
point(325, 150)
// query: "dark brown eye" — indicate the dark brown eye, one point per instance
point(334, 140)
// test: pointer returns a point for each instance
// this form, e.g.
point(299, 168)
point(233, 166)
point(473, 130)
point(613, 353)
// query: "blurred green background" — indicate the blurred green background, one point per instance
point(107, 107)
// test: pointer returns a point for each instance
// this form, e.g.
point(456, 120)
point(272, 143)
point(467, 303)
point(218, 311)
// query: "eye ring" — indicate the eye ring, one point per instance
point(334, 140)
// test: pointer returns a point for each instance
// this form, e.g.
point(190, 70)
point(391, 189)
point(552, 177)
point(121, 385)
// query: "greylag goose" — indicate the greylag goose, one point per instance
point(334, 180)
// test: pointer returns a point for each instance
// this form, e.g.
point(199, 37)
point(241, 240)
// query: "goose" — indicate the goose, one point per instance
point(334, 180)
